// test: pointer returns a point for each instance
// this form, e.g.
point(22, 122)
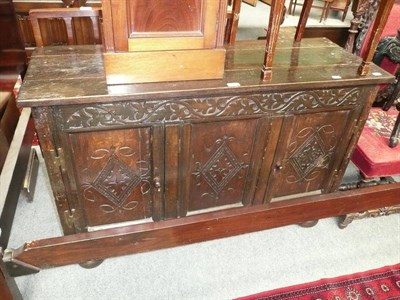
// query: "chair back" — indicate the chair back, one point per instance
point(69, 17)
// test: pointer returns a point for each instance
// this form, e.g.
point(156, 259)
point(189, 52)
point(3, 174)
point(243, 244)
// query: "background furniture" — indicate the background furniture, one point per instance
point(232, 21)
point(335, 5)
point(9, 115)
point(293, 4)
point(389, 49)
point(66, 18)
point(326, 6)
point(374, 155)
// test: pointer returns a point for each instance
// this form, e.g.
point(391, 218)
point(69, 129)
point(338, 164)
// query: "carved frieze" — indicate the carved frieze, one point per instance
point(175, 110)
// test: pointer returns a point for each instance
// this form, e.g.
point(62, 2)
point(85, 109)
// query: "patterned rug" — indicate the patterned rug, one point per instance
point(378, 284)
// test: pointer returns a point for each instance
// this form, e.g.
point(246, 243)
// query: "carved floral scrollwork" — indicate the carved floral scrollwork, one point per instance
point(130, 112)
point(117, 180)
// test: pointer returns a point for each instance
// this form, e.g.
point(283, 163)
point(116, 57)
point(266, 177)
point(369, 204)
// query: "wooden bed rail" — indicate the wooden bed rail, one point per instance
point(99, 245)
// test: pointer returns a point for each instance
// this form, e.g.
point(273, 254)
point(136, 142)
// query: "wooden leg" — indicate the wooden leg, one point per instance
point(305, 12)
point(294, 7)
point(289, 11)
point(347, 219)
point(395, 137)
point(90, 264)
point(309, 224)
point(324, 12)
point(275, 18)
point(344, 14)
point(373, 213)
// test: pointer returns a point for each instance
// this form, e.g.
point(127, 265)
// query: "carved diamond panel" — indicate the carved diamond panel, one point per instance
point(221, 168)
point(116, 181)
point(309, 155)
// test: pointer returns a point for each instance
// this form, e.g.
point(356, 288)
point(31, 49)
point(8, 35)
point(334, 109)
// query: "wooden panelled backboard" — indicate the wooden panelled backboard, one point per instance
point(157, 32)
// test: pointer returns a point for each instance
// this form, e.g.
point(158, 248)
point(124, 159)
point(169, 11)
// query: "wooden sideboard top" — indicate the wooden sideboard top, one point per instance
point(63, 75)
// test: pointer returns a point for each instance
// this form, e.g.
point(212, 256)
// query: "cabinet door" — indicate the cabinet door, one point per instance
point(113, 174)
point(309, 151)
point(219, 166)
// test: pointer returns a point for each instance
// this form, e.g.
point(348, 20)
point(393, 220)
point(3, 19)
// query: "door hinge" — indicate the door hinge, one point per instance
point(69, 216)
point(58, 158)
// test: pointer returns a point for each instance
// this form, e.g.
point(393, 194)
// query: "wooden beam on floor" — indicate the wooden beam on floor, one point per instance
point(99, 245)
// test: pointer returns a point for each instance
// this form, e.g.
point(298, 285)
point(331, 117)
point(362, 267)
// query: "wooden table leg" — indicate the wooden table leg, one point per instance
point(301, 26)
point(277, 8)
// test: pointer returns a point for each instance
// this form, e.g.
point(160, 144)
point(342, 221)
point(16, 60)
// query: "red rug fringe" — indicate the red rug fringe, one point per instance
point(378, 284)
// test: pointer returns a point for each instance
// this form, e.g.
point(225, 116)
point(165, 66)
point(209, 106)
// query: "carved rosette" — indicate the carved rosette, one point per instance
point(175, 110)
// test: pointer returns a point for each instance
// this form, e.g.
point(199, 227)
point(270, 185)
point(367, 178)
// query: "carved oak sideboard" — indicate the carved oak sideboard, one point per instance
point(145, 153)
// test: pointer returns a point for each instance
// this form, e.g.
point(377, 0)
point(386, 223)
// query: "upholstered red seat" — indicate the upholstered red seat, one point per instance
point(372, 155)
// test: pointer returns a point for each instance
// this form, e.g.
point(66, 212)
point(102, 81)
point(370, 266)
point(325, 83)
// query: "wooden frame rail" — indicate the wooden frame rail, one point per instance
point(11, 179)
point(102, 244)
point(13, 174)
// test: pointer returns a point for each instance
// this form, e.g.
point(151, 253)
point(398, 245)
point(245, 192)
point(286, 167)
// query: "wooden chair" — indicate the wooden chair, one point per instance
point(335, 5)
point(293, 3)
point(389, 48)
point(326, 6)
point(232, 18)
point(69, 17)
point(375, 154)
